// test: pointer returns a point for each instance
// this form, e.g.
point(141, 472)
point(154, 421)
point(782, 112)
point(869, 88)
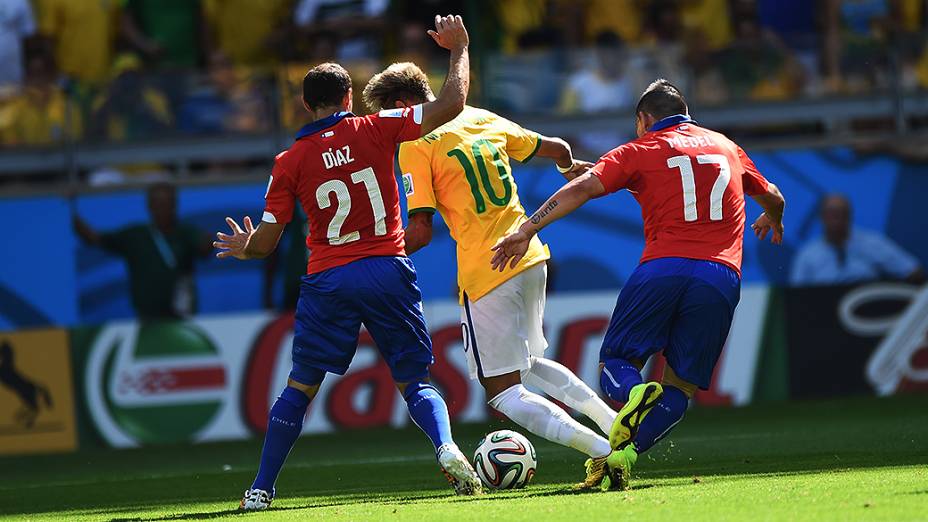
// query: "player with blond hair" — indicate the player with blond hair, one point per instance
point(462, 171)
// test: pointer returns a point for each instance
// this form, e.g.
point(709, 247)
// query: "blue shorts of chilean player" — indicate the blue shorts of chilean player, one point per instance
point(681, 306)
point(380, 292)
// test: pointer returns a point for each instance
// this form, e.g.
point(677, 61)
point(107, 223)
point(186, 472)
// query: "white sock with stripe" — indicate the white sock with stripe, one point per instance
point(560, 383)
point(545, 419)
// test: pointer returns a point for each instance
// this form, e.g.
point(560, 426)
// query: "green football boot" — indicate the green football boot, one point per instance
point(641, 399)
point(619, 465)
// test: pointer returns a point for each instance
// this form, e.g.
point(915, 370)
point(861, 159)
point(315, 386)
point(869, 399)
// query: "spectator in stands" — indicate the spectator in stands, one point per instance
point(622, 17)
point(857, 33)
point(82, 34)
point(244, 29)
point(231, 101)
point(129, 108)
point(710, 19)
point(16, 24)
point(517, 17)
point(42, 113)
point(601, 84)
point(159, 256)
point(166, 32)
point(757, 65)
point(359, 24)
point(846, 255)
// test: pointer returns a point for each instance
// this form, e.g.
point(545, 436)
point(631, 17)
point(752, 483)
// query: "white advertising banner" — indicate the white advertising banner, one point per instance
point(215, 378)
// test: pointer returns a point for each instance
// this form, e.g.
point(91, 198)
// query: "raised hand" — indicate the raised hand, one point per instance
point(764, 225)
point(450, 32)
point(234, 245)
point(510, 249)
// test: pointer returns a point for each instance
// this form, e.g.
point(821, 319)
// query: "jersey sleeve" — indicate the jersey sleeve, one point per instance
point(616, 169)
point(280, 195)
point(752, 180)
point(521, 143)
point(417, 179)
point(394, 126)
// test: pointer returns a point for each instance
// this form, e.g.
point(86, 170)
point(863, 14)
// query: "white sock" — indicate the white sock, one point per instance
point(557, 381)
point(543, 418)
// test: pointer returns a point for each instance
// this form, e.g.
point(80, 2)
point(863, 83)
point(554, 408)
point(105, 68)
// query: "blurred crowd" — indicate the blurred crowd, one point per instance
point(114, 70)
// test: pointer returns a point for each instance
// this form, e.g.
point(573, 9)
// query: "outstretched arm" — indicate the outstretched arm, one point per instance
point(450, 34)
point(85, 232)
point(510, 249)
point(250, 243)
point(773, 204)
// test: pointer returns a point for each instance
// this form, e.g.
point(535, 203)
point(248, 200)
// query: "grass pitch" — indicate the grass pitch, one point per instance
point(862, 459)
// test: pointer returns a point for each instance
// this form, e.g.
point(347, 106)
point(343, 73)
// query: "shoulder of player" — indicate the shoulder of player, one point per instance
point(420, 147)
point(287, 158)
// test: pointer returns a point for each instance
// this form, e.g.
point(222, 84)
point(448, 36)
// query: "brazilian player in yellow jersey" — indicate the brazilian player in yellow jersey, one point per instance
point(462, 170)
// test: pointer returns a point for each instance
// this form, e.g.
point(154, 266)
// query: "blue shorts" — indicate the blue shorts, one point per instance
point(681, 306)
point(379, 292)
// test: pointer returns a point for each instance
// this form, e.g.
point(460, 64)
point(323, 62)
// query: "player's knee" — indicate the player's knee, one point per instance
point(499, 383)
point(306, 379)
point(310, 390)
point(672, 379)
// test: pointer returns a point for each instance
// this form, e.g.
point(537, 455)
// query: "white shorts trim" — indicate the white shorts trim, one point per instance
point(503, 329)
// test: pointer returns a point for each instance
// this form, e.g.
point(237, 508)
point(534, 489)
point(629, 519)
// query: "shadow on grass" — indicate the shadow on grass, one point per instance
point(825, 437)
point(412, 499)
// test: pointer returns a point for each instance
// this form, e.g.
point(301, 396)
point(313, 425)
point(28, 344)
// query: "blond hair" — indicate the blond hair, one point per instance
point(400, 81)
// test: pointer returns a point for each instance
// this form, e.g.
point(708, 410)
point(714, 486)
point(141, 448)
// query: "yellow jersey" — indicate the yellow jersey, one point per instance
point(462, 170)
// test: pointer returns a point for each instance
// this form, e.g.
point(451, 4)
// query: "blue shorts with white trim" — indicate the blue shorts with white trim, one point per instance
point(379, 292)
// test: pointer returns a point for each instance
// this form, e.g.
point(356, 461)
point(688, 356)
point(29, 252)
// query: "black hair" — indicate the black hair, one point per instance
point(662, 99)
point(326, 85)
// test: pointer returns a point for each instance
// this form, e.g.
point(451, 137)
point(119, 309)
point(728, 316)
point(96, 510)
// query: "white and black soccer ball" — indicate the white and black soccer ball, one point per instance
point(505, 459)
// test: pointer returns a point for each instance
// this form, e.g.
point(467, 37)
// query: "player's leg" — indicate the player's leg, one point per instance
point(697, 337)
point(550, 376)
point(557, 381)
point(541, 416)
point(640, 326)
point(285, 422)
point(325, 338)
point(500, 342)
point(391, 305)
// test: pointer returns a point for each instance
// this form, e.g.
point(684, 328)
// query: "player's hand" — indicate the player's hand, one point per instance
point(450, 32)
point(510, 249)
point(764, 225)
point(234, 245)
point(577, 169)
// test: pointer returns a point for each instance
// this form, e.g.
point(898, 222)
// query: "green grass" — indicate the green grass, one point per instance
point(861, 459)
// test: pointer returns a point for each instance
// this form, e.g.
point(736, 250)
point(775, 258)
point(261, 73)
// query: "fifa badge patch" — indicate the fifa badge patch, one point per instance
point(408, 187)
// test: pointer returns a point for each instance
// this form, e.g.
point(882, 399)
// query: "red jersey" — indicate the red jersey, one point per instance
point(341, 171)
point(690, 183)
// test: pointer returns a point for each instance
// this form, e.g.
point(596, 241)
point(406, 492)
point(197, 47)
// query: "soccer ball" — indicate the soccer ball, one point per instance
point(505, 459)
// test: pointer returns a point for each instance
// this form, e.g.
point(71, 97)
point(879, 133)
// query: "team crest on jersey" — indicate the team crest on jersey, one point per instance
point(391, 113)
point(408, 187)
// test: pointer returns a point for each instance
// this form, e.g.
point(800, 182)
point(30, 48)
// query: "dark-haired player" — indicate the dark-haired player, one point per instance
point(690, 183)
point(341, 170)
